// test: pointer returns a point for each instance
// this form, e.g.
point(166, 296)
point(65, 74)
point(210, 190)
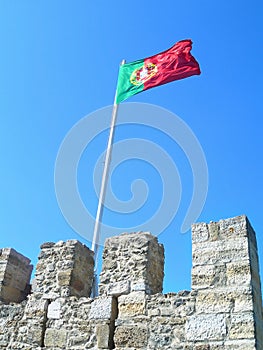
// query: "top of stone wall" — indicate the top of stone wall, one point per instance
point(222, 311)
point(64, 269)
point(238, 226)
point(6, 253)
point(132, 262)
point(15, 273)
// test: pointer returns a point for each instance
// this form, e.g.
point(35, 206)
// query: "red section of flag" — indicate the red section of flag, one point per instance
point(172, 64)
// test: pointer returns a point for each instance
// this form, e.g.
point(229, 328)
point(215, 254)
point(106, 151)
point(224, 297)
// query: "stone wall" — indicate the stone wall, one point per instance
point(132, 261)
point(15, 273)
point(64, 269)
point(222, 311)
point(226, 275)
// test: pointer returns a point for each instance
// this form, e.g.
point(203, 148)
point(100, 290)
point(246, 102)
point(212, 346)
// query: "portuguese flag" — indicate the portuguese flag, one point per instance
point(173, 64)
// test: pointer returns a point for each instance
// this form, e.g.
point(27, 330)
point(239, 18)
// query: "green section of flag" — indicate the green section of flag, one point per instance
point(125, 87)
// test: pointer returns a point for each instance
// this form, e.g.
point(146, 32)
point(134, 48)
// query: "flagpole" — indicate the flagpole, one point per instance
point(104, 181)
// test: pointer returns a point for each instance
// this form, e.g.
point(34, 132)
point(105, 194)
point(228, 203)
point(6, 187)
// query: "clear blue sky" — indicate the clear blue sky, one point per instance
point(59, 62)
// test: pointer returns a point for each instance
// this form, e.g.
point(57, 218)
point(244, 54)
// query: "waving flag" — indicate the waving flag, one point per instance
point(173, 64)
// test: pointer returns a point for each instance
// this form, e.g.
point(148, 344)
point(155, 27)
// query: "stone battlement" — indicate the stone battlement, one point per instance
point(15, 273)
point(222, 311)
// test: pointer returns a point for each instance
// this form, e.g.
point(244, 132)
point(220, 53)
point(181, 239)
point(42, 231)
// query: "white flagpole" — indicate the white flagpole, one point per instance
point(104, 181)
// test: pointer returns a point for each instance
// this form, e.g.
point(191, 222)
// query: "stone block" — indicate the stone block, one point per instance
point(226, 300)
point(118, 288)
point(165, 311)
point(243, 344)
point(236, 345)
point(103, 308)
point(242, 326)
point(140, 286)
point(165, 336)
point(213, 229)
point(56, 338)
point(54, 310)
point(200, 232)
point(206, 276)
point(244, 301)
point(47, 245)
point(36, 307)
point(103, 336)
point(214, 302)
point(64, 278)
point(131, 305)
point(238, 273)
point(10, 294)
point(219, 252)
point(227, 229)
point(131, 336)
point(233, 227)
point(206, 327)
point(34, 335)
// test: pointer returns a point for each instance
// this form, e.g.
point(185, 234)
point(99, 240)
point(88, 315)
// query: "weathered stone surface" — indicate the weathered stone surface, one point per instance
point(205, 276)
point(222, 312)
point(238, 273)
point(56, 338)
point(132, 304)
point(200, 232)
point(206, 327)
point(131, 336)
point(50, 296)
point(215, 302)
point(224, 251)
point(103, 336)
point(174, 305)
point(241, 345)
point(34, 335)
point(119, 288)
point(228, 300)
point(54, 310)
point(137, 258)
point(242, 326)
point(47, 245)
point(64, 269)
point(213, 229)
point(104, 308)
point(74, 317)
point(234, 227)
point(36, 306)
point(15, 273)
point(10, 316)
point(225, 229)
point(139, 286)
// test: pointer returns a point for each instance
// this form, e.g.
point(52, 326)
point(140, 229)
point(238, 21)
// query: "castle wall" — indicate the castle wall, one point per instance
point(226, 275)
point(222, 311)
point(132, 262)
point(64, 269)
point(15, 273)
